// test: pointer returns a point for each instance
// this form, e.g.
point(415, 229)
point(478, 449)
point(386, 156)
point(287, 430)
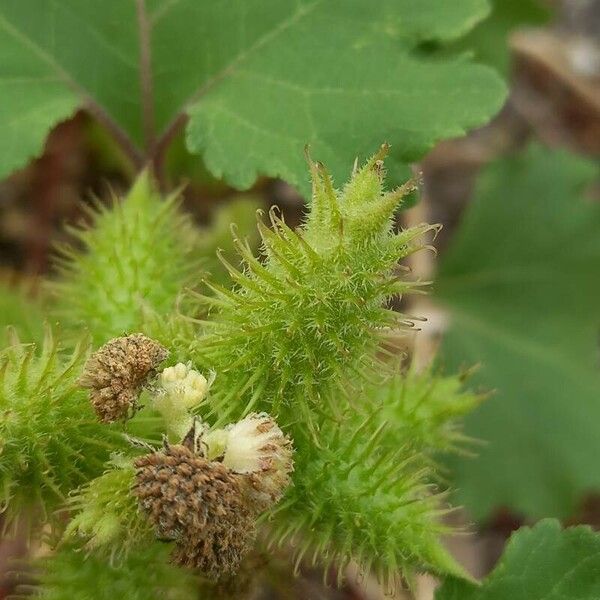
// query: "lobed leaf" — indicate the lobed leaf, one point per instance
point(339, 76)
point(489, 39)
point(259, 79)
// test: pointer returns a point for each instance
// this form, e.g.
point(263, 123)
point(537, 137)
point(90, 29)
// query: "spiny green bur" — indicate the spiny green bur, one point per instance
point(301, 325)
point(51, 441)
point(368, 492)
point(138, 255)
point(144, 575)
point(107, 514)
point(425, 409)
point(299, 336)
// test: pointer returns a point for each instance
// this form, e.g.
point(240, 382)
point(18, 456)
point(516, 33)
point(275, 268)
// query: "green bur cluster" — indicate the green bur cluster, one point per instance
point(299, 336)
point(50, 439)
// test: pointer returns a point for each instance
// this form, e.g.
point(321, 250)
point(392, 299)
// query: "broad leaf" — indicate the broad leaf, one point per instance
point(521, 284)
point(341, 77)
point(542, 563)
point(262, 78)
point(57, 56)
point(489, 40)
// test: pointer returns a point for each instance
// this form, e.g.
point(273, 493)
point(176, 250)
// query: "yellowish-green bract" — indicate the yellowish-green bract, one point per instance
point(106, 514)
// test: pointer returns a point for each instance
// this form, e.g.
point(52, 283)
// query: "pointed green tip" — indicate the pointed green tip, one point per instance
point(143, 189)
point(366, 183)
point(445, 564)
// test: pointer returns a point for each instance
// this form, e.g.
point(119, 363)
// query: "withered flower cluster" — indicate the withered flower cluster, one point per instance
point(205, 492)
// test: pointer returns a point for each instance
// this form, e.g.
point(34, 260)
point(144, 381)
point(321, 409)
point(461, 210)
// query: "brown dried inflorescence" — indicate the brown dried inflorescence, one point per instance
point(220, 549)
point(117, 372)
point(243, 584)
point(199, 504)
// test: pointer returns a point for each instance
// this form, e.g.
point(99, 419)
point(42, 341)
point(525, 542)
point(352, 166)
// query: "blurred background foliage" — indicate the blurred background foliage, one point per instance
point(517, 287)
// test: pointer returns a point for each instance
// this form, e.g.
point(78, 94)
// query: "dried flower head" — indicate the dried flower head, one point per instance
point(257, 448)
point(116, 373)
point(197, 502)
point(217, 551)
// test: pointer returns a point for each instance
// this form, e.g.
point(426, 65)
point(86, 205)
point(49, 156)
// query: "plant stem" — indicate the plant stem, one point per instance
point(120, 136)
point(147, 92)
point(164, 141)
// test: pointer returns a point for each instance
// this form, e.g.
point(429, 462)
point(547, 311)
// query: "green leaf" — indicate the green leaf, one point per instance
point(521, 283)
point(542, 563)
point(57, 56)
point(489, 39)
point(339, 76)
point(264, 78)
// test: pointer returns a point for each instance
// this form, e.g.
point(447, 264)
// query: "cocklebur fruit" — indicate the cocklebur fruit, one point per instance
point(126, 270)
point(116, 373)
point(50, 442)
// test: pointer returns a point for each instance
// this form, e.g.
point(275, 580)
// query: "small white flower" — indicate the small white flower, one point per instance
point(185, 386)
point(256, 447)
point(180, 388)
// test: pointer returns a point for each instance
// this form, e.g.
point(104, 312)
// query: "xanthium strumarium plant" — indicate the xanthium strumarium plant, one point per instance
point(266, 413)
